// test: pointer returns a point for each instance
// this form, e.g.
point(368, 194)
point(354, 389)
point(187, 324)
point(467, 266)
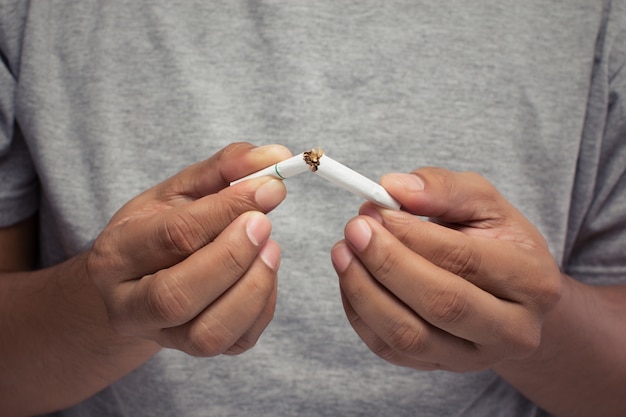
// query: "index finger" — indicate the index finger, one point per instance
point(452, 197)
point(211, 175)
point(146, 244)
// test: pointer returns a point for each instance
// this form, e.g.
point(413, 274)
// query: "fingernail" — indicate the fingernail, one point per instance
point(258, 228)
point(342, 256)
point(359, 234)
point(411, 182)
point(270, 255)
point(270, 194)
point(371, 211)
point(269, 148)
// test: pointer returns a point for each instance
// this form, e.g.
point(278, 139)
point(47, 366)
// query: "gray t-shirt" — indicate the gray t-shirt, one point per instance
point(101, 100)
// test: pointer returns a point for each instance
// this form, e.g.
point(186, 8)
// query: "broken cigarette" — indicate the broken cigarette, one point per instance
point(332, 171)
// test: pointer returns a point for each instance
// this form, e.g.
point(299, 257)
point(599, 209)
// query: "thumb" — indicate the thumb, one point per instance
point(447, 196)
point(207, 177)
point(232, 162)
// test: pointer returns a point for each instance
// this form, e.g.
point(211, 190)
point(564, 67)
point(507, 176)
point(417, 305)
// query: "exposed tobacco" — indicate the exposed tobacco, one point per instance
point(312, 158)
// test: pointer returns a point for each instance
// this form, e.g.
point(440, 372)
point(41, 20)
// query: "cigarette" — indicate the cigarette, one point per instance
point(358, 184)
point(283, 170)
point(332, 171)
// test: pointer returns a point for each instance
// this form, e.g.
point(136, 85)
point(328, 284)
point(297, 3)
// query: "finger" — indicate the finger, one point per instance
point(175, 295)
point(252, 335)
point(440, 297)
point(395, 332)
point(234, 322)
point(146, 244)
point(214, 174)
point(490, 261)
point(377, 345)
point(167, 223)
point(464, 198)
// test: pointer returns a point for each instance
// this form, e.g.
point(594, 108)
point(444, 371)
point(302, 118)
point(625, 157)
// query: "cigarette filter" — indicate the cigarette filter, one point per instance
point(332, 171)
point(283, 170)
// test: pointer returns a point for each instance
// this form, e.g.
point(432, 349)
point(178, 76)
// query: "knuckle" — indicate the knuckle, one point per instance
point(408, 338)
point(460, 259)
point(446, 306)
point(355, 293)
point(545, 286)
point(482, 186)
point(167, 301)
point(102, 256)
point(242, 345)
point(232, 257)
point(552, 291)
point(234, 148)
point(523, 343)
point(442, 178)
point(258, 289)
point(384, 269)
point(225, 210)
point(95, 262)
point(208, 339)
point(383, 350)
point(551, 288)
point(477, 178)
point(528, 343)
point(181, 234)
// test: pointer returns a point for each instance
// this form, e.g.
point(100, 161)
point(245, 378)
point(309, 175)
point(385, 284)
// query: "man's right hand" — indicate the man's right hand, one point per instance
point(189, 263)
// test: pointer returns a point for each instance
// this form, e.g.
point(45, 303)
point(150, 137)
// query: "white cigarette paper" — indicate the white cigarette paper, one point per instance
point(358, 184)
point(332, 171)
point(284, 169)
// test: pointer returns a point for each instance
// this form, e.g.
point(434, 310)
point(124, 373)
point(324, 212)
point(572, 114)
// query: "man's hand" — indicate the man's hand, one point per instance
point(465, 291)
point(190, 263)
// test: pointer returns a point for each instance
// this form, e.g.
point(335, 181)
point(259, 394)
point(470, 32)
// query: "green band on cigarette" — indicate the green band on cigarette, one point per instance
point(278, 173)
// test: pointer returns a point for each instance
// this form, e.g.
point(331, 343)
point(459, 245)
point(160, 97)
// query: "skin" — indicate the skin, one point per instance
point(477, 288)
point(188, 264)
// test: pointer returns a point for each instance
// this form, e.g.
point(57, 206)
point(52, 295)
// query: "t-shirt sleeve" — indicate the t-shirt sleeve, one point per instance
point(18, 180)
point(599, 253)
